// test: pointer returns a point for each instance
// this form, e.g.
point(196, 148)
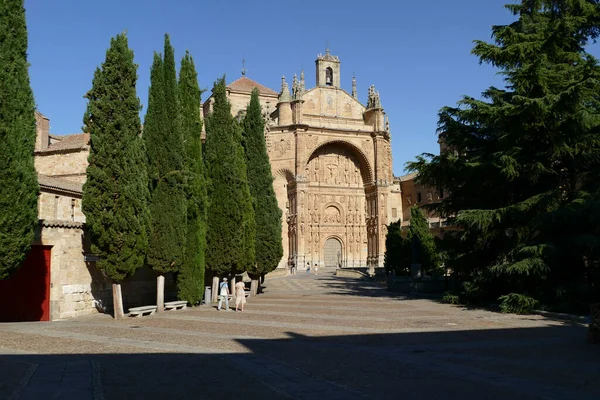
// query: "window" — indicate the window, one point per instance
point(394, 212)
point(419, 197)
point(328, 76)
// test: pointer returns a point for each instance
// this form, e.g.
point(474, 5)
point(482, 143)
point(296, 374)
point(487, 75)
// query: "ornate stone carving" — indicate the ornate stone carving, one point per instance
point(311, 142)
point(335, 167)
point(282, 146)
point(332, 215)
point(347, 110)
point(373, 100)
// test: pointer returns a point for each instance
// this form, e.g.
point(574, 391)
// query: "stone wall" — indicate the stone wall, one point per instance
point(56, 206)
point(79, 288)
point(69, 165)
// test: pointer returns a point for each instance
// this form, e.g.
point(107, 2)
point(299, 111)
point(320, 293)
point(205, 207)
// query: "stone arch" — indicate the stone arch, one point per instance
point(338, 207)
point(366, 170)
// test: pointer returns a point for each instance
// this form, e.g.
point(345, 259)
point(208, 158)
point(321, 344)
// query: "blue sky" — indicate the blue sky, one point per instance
point(416, 53)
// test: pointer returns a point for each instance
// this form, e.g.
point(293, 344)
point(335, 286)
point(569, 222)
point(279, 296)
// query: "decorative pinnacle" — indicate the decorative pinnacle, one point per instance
point(243, 66)
point(285, 91)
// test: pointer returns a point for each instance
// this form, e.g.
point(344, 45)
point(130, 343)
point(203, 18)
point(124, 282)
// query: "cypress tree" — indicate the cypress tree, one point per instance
point(190, 280)
point(165, 150)
point(18, 179)
point(231, 225)
point(268, 246)
point(115, 194)
point(523, 161)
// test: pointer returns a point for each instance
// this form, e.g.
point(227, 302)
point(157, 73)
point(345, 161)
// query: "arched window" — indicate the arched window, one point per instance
point(328, 76)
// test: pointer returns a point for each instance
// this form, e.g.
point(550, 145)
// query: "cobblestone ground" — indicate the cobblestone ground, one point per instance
point(306, 337)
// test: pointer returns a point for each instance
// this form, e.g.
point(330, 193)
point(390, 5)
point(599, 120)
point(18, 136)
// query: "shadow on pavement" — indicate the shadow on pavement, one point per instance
point(551, 363)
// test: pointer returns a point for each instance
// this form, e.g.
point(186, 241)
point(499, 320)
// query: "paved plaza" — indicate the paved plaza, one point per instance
point(306, 337)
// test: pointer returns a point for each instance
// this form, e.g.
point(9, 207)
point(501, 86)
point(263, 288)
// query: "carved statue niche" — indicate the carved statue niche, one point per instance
point(332, 215)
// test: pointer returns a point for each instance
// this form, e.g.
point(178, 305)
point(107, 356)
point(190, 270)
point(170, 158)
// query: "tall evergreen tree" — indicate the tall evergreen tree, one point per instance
point(18, 179)
point(115, 194)
point(190, 280)
point(523, 162)
point(231, 224)
point(164, 143)
point(268, 246)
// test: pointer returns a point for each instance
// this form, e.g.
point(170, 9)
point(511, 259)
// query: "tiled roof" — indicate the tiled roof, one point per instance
point(68, 142)
point(408, 177)
point(246, 85)
point(51, 182)
point(61, 224)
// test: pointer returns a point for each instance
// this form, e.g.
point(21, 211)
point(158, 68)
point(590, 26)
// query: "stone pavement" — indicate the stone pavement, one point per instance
point(306, 337)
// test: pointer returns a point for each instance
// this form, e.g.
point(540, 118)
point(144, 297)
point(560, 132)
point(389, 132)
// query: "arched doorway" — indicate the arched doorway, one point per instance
point(332, 254)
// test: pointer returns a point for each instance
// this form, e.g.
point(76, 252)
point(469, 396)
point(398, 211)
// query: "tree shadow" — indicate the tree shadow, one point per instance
point(548, 362)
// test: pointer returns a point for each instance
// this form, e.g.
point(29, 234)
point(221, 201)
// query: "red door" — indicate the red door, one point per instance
point(25, 296)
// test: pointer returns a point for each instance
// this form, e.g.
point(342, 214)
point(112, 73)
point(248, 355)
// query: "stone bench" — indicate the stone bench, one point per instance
point(175, 305)
point(138, 311)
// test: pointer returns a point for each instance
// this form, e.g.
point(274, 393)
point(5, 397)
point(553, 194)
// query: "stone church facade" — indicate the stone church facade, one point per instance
point(332, 167)
point(332, 163)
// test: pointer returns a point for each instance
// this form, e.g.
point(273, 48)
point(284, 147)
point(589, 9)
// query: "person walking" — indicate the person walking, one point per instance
point(223, 295)
point(316, 269)
point(307, 268)
point(240, 294)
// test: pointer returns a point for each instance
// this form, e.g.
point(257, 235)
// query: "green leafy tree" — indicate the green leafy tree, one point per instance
point(190, 280)
point(523, 162)
point(231, 224)
point(18, 179)
point(166, 157)
point(115, 194)
point(397, 250)
point(420, 239)
point(268, 246)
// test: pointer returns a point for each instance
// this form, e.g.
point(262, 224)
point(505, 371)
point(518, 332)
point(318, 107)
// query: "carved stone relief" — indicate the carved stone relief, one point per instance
point(282, 146)
point(311, 142)
point(347, 110)
point(332, 215)
point(334, 166)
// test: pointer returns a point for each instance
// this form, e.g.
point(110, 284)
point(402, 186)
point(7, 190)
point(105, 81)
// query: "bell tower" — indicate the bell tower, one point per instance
point(328, 70)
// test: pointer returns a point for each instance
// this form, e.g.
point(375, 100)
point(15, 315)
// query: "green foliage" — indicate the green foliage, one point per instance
point(522, 163)
point(166, 153)
point(397, 251)
point(231, 224)
point(18, 179)
point(450, 298)
point(418, 230)
point(115, 194)
point(268, 246)
point(190, 280)
point(516, 303)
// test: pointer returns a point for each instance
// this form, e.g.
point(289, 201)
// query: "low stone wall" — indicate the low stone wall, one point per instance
point(279, 272)
point(350, 273)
